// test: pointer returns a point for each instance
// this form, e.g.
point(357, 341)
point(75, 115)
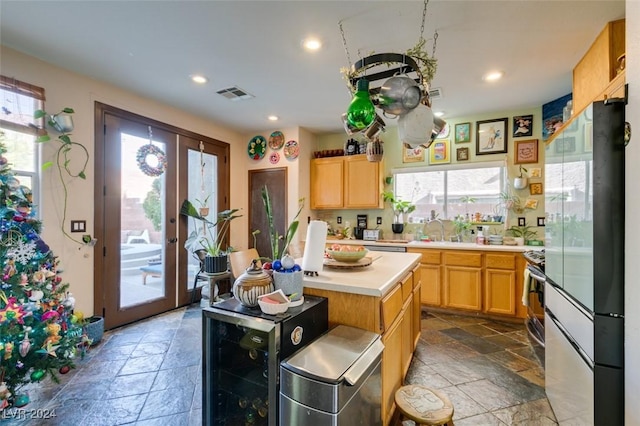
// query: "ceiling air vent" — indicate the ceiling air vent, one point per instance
point(435, 93)
point(235, 93)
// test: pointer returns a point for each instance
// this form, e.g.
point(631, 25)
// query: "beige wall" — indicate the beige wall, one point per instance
point(393, 160)
point(66, 89)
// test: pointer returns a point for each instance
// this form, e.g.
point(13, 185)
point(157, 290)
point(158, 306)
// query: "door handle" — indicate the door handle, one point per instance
point(172, 240)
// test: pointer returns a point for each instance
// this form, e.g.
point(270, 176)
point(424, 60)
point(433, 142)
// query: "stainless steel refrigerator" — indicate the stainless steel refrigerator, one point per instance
point(584, 289)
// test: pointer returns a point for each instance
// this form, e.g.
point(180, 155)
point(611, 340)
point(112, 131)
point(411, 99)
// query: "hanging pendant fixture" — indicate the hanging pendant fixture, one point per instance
point(361, 111)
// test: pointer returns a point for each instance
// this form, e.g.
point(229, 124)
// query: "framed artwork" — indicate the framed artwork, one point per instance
point(522, 126)
point(522, 221)
point(588, 136)
point(463, 132)
point(541, 221)
point(412, 155)
point(491, 136)
point(531, 203)
point(462, 154)
point(535, 172)
point(552, 115)
point(565, 145)
point(535, 188)
point(526, 152)
point(439, 152)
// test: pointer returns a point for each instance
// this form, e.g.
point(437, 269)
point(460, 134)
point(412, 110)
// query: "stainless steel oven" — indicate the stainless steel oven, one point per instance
point(533, 299)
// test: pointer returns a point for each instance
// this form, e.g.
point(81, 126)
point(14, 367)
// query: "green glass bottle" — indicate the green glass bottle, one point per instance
point(361, 111)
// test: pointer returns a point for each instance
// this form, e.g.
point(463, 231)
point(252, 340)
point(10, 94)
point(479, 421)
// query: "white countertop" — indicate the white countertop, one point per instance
point(377, 279)
point(443, 245)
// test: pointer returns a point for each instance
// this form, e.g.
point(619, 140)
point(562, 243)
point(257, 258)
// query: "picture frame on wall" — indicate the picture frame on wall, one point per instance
point(535, 188)
point(462, 132)
point(412, 155)
point(491, 136)
point(440, 152)
point(535, 172)
point(522, 126)
point(552, 115)
point(565, 145)
point(526, 152)
point(462, 154)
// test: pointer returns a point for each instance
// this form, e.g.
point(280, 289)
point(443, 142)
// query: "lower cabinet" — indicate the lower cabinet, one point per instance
point(391, 368)
point(475, 281)
point(462, 288)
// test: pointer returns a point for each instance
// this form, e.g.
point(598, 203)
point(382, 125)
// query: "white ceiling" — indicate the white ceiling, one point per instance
point(152, 47)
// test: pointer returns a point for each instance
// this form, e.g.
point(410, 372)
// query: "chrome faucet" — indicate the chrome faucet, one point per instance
point(441, 227)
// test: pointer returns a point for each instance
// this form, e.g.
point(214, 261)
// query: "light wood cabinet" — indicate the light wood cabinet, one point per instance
point(349, 182)
point(327, 188)
point(391, 370)
point(476, 281)
point(407, 334)
point(417, 310)
point(598, 66)
point(431, 277)
point(500, 278)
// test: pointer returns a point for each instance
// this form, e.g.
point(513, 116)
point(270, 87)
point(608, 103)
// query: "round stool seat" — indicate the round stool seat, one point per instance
point(423, 405)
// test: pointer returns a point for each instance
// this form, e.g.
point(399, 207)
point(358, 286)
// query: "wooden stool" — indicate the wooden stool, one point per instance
point(424, 406)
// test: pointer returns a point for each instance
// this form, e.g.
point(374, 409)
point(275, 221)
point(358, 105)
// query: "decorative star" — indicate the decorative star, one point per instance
point(49, 349)
point(12, 311)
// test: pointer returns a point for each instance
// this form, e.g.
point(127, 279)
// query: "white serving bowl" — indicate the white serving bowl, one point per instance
point(274, 308)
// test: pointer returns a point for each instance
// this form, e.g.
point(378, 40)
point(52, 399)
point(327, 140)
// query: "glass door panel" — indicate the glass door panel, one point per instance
point(142, 215)
point(202, 191)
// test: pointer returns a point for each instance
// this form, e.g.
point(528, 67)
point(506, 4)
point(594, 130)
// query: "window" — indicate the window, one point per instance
point(449, 192)
point(18, 101)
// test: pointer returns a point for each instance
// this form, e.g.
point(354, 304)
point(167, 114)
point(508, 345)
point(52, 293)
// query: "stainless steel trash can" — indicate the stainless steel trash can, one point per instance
point(335, 380)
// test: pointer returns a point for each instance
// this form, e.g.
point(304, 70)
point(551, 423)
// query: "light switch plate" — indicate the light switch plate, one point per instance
point(78, 226)
point(379, 220)
point(339, 220)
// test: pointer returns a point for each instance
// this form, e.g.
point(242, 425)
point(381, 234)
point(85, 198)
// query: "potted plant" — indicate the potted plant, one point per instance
point(279, 243)
point(522, 234)
point(205, 237)
point(62, 123)
point(461, 226)
point(520, 182)
point(400, 207)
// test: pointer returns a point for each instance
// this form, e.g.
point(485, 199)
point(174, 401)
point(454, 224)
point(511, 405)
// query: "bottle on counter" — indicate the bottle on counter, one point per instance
point(480, 238)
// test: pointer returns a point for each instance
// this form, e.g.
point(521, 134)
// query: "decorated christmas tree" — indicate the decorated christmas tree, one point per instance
point(39, 336)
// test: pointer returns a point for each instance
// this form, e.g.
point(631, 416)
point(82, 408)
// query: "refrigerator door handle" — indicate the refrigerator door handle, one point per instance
point(570, 339)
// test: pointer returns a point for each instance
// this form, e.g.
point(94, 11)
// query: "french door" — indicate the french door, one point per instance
point(144, 170)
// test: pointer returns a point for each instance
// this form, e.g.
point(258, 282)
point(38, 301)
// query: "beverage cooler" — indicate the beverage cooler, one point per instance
point(242, 350)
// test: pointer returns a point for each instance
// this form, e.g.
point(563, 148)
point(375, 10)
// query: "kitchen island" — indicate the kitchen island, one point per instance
point(384, 298)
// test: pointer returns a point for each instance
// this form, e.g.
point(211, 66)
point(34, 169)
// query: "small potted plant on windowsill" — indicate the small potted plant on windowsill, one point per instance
point(522, 234)
point(205, 237)
point(400, 207)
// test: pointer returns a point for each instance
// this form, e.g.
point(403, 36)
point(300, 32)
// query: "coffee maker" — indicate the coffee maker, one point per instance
point(358, 231)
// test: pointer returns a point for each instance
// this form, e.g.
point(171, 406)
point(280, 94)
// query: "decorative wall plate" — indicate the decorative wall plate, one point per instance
point(274, 157)
point(276, 140)
point(257, 147)
point(291, 150)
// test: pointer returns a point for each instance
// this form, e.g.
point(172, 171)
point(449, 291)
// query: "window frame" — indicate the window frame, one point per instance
point(453, 167)
point(33, 128)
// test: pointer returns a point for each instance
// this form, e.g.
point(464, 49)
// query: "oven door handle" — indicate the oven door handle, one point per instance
point(537, 274)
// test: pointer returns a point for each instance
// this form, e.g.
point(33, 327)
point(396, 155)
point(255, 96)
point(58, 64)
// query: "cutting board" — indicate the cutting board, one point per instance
point(362, 263)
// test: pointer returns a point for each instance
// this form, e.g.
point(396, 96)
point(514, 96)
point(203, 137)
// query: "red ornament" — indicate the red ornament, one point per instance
point(64, 369)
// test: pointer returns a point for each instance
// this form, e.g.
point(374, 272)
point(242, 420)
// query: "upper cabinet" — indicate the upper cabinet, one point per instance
point(349, 182)
point(599, 67)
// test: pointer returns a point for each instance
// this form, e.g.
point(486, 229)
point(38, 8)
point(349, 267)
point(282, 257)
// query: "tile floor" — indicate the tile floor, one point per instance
point(149, 373)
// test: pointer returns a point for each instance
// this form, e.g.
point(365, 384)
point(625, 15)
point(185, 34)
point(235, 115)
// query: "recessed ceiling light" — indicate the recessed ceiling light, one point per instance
point(272, 118)
point(199, 79)
point(438, 113)
point(493, 76)
point(311, 44)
